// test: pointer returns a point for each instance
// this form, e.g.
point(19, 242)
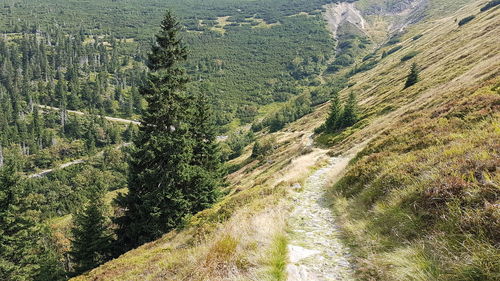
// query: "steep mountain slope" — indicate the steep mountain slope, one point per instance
point(419, 202)
point(242, 237)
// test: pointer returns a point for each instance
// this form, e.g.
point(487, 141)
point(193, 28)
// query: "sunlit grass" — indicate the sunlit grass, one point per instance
point(278, 258)
point(419, 203)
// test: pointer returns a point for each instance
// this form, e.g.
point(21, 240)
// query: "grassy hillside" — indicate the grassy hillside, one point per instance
point(419, 202)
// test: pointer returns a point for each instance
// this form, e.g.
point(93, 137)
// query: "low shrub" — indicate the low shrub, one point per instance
point(263, 147)
point(391, 51)
point(363, 67)
point(370, 56)
point(235, 144)
point(465, 20)
point(409, 56)
point(490, 5)
point(416, 37)
point(394, 40)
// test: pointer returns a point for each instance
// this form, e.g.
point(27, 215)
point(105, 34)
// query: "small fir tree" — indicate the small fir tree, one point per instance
point(206, 159)
point(413, 77)
point(91, 243)
point(349, 115)
point(333, 122)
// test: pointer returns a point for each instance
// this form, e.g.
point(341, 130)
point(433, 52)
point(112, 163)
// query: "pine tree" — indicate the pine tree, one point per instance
point(61, 96)
point(1, 154)
point(37, 127)
point(91, 241)
point(129, 133)
point(19, 233)
point(206, 161)
point(333, 122)
point(413, 76)
point(51, 268)
point(160, 163)
point(349, 115)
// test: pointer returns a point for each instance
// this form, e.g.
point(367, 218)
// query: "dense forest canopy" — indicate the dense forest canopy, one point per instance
point(129, 18)
point(89, 56)
point(244, 53)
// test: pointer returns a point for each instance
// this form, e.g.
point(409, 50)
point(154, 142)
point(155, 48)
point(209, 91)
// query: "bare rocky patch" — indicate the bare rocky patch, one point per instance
point(337, 14)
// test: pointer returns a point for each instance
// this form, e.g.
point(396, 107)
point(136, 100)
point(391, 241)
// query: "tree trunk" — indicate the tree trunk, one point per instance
point(1, 156)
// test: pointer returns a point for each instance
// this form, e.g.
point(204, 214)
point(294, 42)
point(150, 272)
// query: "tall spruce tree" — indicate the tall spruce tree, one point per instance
point(91, 243)
point(333, 122)
point(206, 160)
point(61, 96)
point(412, 78)
point(164, 174)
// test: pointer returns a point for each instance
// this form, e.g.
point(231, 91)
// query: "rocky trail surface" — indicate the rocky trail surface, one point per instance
point(316, 252)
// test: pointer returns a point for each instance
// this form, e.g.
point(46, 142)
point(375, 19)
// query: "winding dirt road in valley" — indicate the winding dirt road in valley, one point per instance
point(71, 163)
point(76, 112)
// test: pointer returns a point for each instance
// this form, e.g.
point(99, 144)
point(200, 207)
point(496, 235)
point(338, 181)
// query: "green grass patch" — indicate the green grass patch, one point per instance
point(278, 258)
point(223, 250)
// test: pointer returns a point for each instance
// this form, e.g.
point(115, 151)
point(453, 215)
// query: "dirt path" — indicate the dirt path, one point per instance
point(71, 163)
point(76, 112)
point(62, 166)
point(316, 252)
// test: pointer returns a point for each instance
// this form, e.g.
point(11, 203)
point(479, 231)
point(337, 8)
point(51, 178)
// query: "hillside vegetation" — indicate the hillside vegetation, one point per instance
point(420, 201)
point(69, 70)
point(242, 236)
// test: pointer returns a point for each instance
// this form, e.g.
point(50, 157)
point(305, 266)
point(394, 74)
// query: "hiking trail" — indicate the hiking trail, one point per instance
point(316, 252)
